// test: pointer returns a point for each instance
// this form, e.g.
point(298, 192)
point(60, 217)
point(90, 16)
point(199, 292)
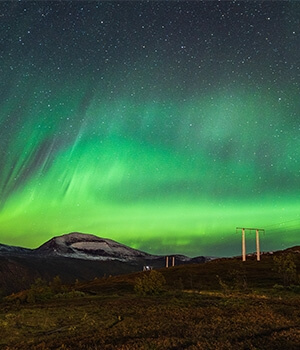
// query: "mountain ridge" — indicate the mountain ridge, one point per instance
point(75, 256)
point(85, 246)
point(79, 256)
point(88, 246)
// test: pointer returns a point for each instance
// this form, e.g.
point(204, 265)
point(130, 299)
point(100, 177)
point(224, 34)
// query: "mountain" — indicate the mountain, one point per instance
point(75, 256)
point(7, 249)
point(87, 246)
point(78, 256)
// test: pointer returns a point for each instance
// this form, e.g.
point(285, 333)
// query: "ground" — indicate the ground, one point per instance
point(201, 307)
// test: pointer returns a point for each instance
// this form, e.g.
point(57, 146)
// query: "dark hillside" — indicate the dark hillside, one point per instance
point(19, 272)
point(208, 276)
point(223, 304)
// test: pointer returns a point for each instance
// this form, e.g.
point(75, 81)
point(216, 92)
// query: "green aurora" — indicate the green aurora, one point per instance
point(161, 170)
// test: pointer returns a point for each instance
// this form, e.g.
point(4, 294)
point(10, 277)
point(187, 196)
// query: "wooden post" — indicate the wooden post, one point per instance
point(243, 244)
point(257, 246)
point(167, 261)
point(244, 241)
point(173, 260)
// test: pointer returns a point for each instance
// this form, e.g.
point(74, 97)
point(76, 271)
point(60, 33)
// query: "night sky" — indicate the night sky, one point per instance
point(162, 125)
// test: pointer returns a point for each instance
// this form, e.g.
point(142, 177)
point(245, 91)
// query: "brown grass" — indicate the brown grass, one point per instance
point(195, 312)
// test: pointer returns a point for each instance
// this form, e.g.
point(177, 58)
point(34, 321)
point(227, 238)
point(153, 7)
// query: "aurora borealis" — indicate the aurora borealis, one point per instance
point(161, 125)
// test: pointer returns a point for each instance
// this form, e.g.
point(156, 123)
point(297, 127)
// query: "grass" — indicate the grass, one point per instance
point(196, 311)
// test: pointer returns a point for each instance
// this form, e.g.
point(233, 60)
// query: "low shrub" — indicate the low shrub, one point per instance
point(70, 295)
point(286, 267)
point(150, 284)
point(278, 287)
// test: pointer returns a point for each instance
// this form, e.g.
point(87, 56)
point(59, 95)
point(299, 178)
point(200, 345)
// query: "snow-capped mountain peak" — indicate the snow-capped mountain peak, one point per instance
point(87, 246)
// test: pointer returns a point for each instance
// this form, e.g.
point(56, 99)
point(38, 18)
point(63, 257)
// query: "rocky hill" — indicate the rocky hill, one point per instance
point(86, 246)
point(75, 256)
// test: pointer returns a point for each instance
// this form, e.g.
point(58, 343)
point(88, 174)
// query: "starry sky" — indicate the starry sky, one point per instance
point(163, 125)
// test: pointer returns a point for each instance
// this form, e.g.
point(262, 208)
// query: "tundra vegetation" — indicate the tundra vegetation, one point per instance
point(150, 284)
point(222, 304)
